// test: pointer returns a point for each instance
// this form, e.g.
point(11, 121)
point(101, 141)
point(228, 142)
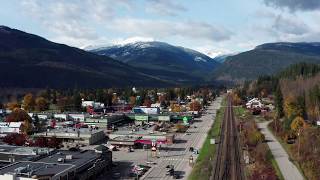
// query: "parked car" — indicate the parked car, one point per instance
point(170, 170)
point(176, 176)
point(191, 149)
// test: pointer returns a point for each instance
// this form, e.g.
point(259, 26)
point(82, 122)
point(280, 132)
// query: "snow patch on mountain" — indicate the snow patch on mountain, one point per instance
point(199, 59)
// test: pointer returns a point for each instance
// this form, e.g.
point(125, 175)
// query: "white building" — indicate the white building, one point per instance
point(10, 127)
point(92, 104)
point(146, 110)
point(80, 117)
point(254, 103)
point(61, 116)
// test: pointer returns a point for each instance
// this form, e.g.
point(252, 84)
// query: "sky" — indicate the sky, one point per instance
point(210, 26)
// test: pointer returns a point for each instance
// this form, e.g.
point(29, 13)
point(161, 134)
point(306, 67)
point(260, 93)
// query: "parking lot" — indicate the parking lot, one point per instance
point(177, 154)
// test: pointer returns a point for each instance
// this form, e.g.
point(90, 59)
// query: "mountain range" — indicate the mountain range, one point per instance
point(162, 60)
point(30, 61)
point(266, 59)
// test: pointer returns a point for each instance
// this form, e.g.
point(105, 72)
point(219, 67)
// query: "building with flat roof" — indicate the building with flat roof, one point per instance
point(126, 137)
point(13, 154)
point(85, 136)
point(104, 121)
point(123, 141)
point(37, 170)
point(10, 127)
point(55, 165)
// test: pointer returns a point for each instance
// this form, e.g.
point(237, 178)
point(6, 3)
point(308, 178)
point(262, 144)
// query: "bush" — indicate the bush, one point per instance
point(15, 139)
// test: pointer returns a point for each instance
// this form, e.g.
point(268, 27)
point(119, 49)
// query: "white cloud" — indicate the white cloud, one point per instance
point(164, 7)
point(295, 5)
point(160, 29)
point(76, 22)
point(72, 22)
point(290, 25)
point(104, 22)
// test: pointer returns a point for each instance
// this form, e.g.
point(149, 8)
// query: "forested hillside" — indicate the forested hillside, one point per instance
point(296, 94)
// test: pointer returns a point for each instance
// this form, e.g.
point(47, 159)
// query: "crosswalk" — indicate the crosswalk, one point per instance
point(176, 159)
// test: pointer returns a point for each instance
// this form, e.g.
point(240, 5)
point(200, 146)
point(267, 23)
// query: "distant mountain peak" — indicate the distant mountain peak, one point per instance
point(4, 29)
point(161, 59)
point(34, 62)
point(143, 45)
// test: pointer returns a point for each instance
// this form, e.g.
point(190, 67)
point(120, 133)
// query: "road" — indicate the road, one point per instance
point(178, 154)
point(228, 159)
point(287, 168)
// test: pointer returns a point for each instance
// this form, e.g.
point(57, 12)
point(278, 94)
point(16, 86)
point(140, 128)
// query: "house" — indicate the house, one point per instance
point(254, 103)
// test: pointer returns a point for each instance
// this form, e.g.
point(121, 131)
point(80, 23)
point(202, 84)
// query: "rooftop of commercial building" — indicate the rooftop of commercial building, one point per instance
point(139, 131)
point(29, 169)
point(23, 150)
point(77, 158)
point(21, 153)
point(124, 138)
point(71, 132)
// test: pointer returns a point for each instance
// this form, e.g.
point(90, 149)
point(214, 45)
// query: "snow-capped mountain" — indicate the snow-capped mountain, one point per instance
point(162, 59)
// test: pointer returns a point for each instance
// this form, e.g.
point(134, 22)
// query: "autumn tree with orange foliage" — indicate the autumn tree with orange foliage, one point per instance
point(132, 100)
point(41, 104)
point(12, 105)
point(147, 102)
point(195, 106)
point(19, 115)
point(28, 102)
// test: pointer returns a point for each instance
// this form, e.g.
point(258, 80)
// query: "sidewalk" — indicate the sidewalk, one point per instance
point(287, 168)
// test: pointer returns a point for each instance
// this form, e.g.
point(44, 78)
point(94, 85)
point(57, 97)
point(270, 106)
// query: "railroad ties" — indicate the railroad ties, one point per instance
point(227, 164)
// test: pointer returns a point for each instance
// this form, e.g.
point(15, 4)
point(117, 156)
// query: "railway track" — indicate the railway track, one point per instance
point(227, 164)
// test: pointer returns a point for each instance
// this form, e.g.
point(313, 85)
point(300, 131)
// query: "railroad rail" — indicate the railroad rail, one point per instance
point(227, 164)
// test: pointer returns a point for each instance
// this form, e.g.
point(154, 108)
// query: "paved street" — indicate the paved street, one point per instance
point(177, 154)
point(287, 168)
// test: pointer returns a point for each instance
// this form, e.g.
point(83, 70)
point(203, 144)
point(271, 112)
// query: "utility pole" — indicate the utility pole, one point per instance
point(147, 155)
point(299, 134)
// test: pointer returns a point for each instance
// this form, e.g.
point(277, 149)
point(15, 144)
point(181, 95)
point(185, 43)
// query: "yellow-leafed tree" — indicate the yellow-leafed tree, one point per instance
point(291, 108)
point(175, 108)
point(297, 124)
point(236, 99)
point(28, 102)
point(41, 104)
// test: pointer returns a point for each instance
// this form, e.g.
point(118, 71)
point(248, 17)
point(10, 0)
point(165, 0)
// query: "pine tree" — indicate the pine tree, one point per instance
point(279, 102)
